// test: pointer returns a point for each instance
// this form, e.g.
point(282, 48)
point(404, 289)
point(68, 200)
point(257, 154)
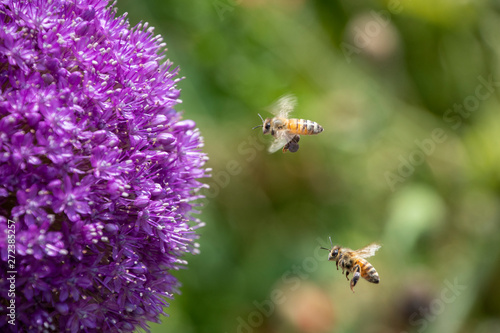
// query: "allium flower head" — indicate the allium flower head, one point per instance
point(97, 169)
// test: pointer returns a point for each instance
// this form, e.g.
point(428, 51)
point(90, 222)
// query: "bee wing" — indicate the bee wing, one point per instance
point(281, 138)
point(284, 105)
point(368, 251)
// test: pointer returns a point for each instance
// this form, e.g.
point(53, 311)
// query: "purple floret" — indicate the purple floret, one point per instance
point(97, 169)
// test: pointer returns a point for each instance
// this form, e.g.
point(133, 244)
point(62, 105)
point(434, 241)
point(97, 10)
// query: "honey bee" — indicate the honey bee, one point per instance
point(355, 262)
point(286, 132)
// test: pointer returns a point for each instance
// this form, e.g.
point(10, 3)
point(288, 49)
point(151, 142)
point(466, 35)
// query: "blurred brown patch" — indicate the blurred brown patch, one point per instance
point(308, 308)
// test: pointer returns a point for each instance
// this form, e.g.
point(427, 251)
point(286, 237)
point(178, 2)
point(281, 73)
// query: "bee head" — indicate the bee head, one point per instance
point(334, 251)
point(266, 125)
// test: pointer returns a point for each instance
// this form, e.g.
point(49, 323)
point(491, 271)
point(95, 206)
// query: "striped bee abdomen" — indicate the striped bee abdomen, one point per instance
point(368, 272)
point(304, 127)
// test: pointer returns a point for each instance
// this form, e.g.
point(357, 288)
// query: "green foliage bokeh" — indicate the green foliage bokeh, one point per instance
point(409, 157)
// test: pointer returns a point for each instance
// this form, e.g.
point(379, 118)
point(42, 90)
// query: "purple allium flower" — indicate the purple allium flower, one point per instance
point(97, 170)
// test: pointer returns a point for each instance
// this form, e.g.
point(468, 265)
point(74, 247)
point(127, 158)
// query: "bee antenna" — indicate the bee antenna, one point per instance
point(262, 122)
point(324, 248)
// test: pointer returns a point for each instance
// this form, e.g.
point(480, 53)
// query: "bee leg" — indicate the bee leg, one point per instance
point(346, 275)
point(355, 278)
point(293, 146)
point(341, 264)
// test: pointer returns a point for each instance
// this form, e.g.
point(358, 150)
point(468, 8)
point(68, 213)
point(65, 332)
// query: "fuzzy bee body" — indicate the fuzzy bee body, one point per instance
point(303, 127)
point(355, 262)
point(286, 132)
point(367, 271)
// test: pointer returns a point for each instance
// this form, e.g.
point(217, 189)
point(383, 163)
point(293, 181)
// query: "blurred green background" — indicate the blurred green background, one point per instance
point(408, 95)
